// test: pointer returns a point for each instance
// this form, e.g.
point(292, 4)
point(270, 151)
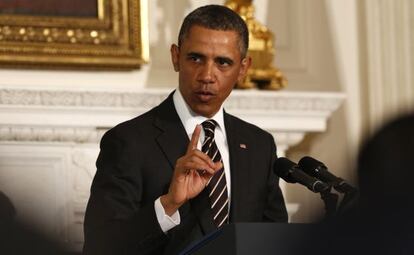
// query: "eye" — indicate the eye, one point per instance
point(224, 62)
point(194, 58)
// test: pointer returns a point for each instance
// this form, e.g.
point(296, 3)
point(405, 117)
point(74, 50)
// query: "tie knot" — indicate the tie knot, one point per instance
point(209, 126)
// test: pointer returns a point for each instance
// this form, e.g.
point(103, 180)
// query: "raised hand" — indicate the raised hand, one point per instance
point(191, 175)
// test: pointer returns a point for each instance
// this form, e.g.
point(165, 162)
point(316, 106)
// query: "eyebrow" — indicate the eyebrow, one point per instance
point(195, 54)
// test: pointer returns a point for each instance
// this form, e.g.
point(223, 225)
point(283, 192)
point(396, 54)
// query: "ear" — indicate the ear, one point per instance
point(244, 67)
point(175, 56)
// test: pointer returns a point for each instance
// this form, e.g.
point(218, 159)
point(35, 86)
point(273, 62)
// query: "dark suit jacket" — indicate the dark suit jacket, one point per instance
point(135, 167)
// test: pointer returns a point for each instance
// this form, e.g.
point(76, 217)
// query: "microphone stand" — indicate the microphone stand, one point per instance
point(350, 198)
point(330, 200)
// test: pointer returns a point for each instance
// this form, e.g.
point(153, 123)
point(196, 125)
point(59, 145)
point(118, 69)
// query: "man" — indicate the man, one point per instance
point(162, 180)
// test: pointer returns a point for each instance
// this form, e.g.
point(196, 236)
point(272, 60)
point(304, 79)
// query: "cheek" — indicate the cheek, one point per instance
point(189, 71)
point(230, 79)
point(186, 76)
point(226, 87)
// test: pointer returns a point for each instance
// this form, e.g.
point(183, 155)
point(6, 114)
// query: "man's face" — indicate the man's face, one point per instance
point(209, 63)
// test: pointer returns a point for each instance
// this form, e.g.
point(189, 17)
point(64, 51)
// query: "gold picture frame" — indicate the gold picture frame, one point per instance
point(117, 38)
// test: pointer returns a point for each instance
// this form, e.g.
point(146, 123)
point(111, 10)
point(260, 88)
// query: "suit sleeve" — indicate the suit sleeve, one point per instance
point(116, 221)
point(275, 210)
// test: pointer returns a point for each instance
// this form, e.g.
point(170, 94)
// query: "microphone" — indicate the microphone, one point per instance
point(317, 169)
point(290, 172)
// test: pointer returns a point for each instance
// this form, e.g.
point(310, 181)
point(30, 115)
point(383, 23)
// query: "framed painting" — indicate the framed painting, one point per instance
point(81, 34)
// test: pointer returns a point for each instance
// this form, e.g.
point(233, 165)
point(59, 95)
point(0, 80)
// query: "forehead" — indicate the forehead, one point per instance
point(201, 39)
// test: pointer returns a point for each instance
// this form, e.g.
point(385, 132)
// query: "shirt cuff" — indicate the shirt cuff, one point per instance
point(166, 222)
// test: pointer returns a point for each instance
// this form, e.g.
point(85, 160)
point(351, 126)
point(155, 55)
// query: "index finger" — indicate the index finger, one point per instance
point(194, 139)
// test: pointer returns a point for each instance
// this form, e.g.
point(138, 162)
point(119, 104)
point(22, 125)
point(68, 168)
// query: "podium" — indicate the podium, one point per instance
point(252, 238)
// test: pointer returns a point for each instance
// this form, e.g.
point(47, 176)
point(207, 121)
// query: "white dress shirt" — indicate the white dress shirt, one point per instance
point(190, 120)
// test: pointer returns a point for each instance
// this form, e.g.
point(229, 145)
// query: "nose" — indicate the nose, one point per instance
point(206, 74)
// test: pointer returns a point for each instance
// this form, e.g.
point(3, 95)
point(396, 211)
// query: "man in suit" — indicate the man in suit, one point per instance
point(154, 189)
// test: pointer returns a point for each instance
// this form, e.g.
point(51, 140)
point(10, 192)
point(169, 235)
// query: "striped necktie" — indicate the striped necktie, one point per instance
point(217, 186)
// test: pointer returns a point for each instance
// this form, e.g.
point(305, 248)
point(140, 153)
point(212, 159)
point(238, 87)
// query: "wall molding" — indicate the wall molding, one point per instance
point(83, 116)
point(50, 134)
point(239, 100)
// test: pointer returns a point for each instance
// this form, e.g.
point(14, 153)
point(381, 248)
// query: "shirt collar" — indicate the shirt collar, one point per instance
point(190, 119)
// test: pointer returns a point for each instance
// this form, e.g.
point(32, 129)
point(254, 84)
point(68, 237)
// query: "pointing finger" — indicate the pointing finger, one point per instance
point(194, 139)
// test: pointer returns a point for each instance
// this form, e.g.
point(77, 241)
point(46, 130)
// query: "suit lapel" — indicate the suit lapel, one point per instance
point(239, 165)
point(173, 141)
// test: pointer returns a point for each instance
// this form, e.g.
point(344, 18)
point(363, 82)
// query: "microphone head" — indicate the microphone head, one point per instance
point(317, 169)
point(283, 168)
point(292, 173)
point(310, 165)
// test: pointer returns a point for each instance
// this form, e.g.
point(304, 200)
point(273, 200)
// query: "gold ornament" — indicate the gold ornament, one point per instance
point(262, 73)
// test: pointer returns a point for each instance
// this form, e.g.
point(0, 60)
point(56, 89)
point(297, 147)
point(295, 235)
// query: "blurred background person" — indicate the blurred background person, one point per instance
point(19, 239)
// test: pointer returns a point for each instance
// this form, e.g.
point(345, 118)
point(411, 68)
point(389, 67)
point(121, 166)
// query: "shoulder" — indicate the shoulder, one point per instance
point(247, 129)
point(144, 124)
point(134, 127)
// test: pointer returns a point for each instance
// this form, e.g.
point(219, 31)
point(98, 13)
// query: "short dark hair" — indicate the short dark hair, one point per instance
point(216, 17)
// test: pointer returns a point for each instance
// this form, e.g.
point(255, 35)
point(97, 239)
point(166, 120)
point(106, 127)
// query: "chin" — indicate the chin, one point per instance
point(203, 111)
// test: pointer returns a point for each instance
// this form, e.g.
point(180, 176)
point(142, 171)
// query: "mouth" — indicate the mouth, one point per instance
point(205, 96)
